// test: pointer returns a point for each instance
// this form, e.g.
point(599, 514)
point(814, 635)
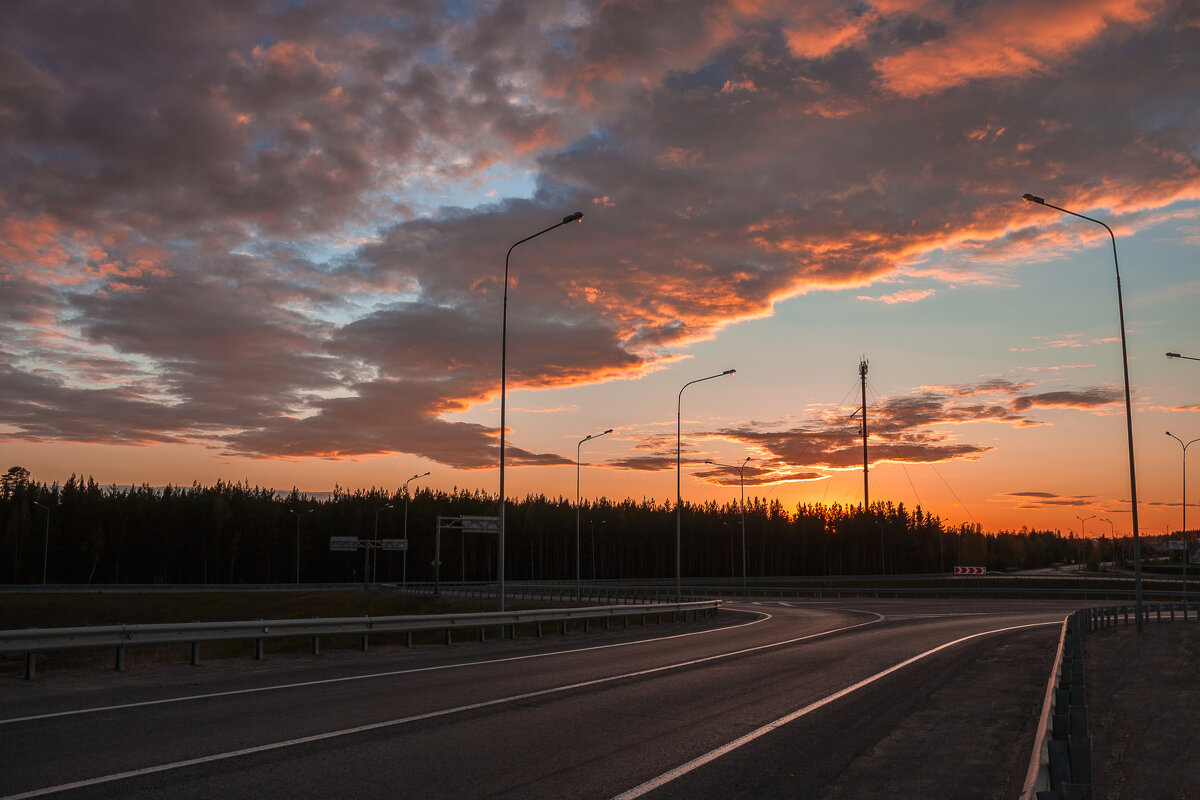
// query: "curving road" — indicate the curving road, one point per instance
point(840, 698)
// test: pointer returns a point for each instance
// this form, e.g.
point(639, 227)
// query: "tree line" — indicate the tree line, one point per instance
point(83, 533)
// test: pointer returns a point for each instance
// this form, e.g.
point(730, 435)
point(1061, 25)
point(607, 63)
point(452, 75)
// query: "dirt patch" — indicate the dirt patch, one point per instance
point(1143, 695)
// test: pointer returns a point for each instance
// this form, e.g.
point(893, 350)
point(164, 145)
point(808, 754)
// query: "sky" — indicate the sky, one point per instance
point(265, 242)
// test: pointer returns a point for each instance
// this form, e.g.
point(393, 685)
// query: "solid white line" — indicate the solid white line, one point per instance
point(233, 692)
point(119, 776)
point(713, 755)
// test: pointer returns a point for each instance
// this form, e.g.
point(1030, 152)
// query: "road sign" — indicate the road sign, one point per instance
point(394, 544)
point(1177, 545)
point(970, 570)
point(343, 543)
point(482, 524)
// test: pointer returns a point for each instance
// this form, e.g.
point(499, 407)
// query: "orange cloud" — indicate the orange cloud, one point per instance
point(1006, 41)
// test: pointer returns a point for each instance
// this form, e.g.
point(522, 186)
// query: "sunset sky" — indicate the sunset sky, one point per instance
point(264, 242)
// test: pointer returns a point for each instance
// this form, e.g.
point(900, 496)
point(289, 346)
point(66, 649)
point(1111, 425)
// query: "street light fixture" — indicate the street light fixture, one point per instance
point(1176, 355)
point(371, 563)
point(1183, 525)
point(46, 542)
point(742, 480)
point(404, 569)
point(297, 513)
point(1112, 534)
point(578, 580)
point(1137, 545)
point(576, 217)
point(679, 482)
point(1083, 529)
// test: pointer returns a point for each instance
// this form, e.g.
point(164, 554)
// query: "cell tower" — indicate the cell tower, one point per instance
point(862, 374)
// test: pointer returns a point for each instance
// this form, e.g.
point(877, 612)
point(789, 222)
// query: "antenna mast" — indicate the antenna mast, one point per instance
point(862, 374)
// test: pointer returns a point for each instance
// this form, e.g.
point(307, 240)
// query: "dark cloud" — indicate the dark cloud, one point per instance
point(1094, 397)
point(218, 231)
point(1032, 500)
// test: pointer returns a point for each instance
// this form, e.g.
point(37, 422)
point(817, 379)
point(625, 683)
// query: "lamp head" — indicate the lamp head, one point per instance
point(729, 372)
point(1033, 198)
point(576, 217)
point(1173, 355)
point(610, 430)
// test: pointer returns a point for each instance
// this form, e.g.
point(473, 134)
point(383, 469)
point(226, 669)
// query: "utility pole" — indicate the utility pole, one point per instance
point(862, 374)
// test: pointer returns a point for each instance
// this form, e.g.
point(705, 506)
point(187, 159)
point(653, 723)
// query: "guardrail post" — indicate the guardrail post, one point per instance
point(586, 627)
point(537, 629)
point(563, 627)
point(120, 665)
point(195, 654)
point(258, 649)
point(316, 645)
point(482, 633)
point(364, 641)
point(30, 666)
point(449, 640)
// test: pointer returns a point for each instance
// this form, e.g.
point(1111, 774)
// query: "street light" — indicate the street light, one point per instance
point(1112, 535)
point(297, 513)
point(404, 569)
point(678, 481)
point(576, 217)
point(1183, 524)
point(1137, 545)
point(1083, 529)
point(46, 542)
point(372, 546)
point(578, 581)
point(742, 480)
point(1176, 355)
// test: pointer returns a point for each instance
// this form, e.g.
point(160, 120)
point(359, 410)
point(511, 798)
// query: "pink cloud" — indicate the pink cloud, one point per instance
point(902, 296)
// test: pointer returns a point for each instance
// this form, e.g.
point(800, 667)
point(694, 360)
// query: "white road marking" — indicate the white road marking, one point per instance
point(765, 616)
point(134, 773)
point(713, 755)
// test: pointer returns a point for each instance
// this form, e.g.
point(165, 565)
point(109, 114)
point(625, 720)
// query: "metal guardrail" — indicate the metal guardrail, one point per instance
point(1061, 765)
point(33, 641)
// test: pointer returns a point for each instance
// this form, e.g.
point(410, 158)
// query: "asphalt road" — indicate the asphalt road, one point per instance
point(845, 698)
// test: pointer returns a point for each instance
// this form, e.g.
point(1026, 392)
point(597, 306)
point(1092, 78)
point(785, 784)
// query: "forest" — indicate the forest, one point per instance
point(83, 533)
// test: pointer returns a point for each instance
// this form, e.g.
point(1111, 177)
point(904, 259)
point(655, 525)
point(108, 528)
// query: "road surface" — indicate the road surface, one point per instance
point(837, 698)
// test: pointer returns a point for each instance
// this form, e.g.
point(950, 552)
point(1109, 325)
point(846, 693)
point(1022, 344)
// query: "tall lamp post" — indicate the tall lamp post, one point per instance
point(297, 515)
point(1183, 525)
point(404, 569)
point(578, 580)
point(576, 217)
point(679, 482)
point(1137, 544)
point(46, 541)
point(1112, 535)
point(742, 480)
point(1083, 528)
